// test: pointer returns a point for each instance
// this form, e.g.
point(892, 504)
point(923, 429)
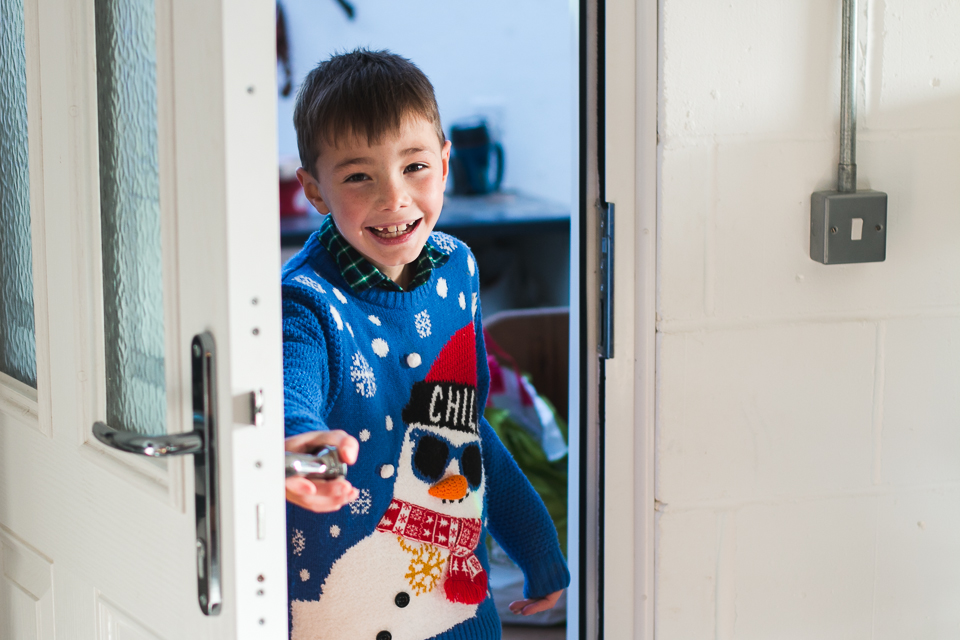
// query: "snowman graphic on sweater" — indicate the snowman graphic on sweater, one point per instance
point(417, 574)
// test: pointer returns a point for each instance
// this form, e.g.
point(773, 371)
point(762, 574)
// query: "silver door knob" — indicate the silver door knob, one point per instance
point(178, 444)
point(325, 464)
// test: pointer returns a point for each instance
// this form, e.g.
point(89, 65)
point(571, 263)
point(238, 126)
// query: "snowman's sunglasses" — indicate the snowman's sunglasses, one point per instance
point(432, 455)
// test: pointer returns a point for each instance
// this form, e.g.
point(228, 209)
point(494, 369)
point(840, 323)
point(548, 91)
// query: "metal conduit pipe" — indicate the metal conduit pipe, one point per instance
point(847, 173)
point(847, 225)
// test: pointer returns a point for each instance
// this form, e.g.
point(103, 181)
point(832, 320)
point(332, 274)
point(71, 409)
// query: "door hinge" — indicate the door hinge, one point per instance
point(605, 325)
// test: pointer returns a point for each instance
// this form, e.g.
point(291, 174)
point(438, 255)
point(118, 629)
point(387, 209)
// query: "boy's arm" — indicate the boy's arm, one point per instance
point(519, 521)
point(307, 392)
point(516, 516)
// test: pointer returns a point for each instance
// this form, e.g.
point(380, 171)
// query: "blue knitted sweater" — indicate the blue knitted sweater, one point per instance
point(406, 374)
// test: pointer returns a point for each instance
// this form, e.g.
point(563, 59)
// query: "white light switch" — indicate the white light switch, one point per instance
point(856, 229)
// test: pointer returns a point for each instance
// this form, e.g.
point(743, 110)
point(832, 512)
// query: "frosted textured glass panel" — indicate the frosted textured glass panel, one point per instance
point(130, 215)
point(17, 338)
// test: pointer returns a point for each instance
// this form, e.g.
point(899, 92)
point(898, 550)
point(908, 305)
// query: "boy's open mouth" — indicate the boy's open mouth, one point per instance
point(395, 231)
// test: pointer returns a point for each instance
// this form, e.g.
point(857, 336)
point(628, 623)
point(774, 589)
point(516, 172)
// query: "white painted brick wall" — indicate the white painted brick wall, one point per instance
point(808, 415)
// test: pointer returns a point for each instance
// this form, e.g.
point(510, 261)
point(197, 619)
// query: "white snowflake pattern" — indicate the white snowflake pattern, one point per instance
point(442, 288)
point(339, 295)
point(361, 506)
point(422, 320)
point(336, 318)
point(444, 242)
point(380, 347)
point(350, 329)
point(335, 531)
point(304, 575)
point(463, 301)
point(310, 282)
point(362, 375)
point(389, 423)
point(374, 319)
point(364, 435)
point(298, 541)
point(474, 306)
point(471, 266)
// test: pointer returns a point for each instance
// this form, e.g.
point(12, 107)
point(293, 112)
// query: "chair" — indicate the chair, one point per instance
point(539, 341)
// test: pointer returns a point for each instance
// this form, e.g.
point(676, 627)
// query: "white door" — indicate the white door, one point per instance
point(138, 210)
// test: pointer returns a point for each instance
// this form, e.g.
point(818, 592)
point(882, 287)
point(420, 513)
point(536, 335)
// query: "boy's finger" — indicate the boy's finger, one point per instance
point(529, 607)
point(332, 488)
point(300, 486)
point(347, 446)
point(518, 605)
point(317, 504)
point(536, 605)
point(304, 442)
point(324, 488)
point(348, 449)
point(325, 501)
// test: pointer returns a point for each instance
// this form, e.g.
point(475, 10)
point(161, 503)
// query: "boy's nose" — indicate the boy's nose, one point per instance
point(393, 196)
point(450, 488)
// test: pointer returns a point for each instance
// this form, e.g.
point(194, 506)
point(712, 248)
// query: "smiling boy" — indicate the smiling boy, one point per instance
point(384, 357)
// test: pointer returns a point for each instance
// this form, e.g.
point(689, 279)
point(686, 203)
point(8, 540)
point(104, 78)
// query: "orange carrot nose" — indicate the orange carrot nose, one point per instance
point(452, 488)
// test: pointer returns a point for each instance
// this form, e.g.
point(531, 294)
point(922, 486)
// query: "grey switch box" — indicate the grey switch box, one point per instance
point(848, 227)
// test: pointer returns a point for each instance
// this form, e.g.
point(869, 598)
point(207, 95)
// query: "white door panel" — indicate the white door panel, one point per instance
point(26, 591)
point(98, 543)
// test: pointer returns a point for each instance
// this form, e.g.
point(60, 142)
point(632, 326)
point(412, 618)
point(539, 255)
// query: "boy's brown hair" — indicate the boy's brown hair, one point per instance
point(365, 93)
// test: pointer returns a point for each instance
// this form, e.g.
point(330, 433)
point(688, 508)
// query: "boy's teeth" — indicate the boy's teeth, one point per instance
point(393, 229)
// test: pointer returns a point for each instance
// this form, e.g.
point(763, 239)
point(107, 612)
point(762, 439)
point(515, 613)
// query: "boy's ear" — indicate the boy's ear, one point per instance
point(445, 158)
point(311, 189)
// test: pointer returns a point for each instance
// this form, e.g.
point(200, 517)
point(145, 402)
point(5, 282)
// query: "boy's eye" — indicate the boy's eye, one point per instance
point(356, 177)
point(416, 166)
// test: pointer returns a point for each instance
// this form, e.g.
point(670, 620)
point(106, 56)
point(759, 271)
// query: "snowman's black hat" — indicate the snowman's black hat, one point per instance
point(447, 397)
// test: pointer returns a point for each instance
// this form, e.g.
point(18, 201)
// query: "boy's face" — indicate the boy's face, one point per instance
point(384, 198)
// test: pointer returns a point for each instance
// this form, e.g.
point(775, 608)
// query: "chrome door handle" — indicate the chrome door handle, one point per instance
point(325, 464)
point(179, 444)
point(202, 443)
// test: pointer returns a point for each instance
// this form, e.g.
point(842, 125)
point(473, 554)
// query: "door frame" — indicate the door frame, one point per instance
point(615, 399)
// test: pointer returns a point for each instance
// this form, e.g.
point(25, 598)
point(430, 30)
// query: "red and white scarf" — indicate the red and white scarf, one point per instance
point(466, 580)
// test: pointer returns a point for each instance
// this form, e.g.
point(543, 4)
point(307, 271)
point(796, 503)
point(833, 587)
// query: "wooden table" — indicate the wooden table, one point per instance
point(510, 213)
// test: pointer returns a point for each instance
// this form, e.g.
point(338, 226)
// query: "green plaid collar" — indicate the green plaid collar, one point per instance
point(360, 273)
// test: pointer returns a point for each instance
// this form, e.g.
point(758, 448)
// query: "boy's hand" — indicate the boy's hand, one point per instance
point(322, 496)
point(536, 605)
